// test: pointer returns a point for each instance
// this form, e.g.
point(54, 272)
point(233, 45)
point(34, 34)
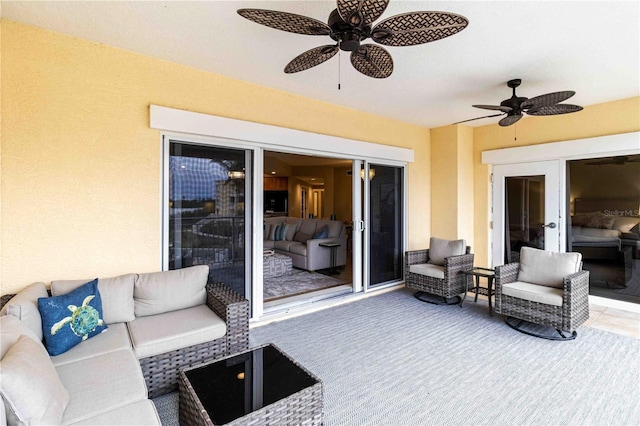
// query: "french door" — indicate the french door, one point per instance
point(527, 209)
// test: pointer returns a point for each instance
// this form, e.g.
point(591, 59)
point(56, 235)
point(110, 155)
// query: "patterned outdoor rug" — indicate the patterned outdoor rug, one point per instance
point(297, 282)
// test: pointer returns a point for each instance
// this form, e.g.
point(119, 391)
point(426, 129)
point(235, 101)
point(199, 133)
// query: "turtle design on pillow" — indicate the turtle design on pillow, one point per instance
point(83, 319)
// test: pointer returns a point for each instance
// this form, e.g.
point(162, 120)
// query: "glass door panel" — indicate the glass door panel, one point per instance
point(209, 207)
point(384, 223)
point(526, 209)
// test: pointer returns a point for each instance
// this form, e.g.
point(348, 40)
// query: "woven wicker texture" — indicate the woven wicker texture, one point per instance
point(568, 317)
point(161, 371)
point(301, 408)
point(453, 284)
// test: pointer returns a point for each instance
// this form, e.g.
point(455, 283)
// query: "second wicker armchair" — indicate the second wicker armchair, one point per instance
point(436, 272)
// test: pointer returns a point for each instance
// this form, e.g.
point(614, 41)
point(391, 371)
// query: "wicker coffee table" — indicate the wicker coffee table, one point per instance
point(262, 386)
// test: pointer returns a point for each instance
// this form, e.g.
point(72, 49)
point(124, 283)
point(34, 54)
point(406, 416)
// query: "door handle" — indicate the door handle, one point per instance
point(550, 225)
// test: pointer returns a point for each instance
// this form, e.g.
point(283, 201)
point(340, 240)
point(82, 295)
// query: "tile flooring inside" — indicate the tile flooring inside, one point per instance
point(614, 320)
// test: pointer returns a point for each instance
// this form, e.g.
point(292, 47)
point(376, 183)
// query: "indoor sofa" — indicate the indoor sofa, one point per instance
point(156, 323)
point(300, 239)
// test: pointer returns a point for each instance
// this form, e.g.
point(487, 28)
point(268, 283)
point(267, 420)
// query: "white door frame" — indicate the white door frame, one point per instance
point(553, 171)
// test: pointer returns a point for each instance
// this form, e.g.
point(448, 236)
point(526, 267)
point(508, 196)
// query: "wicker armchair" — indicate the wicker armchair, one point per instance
point(435, 273)
point(544, 289)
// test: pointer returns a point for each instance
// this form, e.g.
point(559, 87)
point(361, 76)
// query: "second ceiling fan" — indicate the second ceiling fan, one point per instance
point(516, 106)
point(351, 23)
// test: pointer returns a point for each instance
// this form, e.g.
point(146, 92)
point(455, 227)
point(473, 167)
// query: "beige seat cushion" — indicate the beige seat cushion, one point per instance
point(428, 269)
point(547, 268)
point(153, 335)
point(533, 292)
point(116, 294)
point(24, 306)
point(440, 249)
point(115, 338)
point(160, 292)
point(102, 383)
point(140, 413)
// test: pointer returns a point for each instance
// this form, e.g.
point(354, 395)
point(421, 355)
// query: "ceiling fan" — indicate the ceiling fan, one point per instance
point(618, 161)
point(515, 106)
point(351, 24)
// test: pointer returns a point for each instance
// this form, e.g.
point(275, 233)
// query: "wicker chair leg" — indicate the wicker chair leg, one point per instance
point(438, 300)
point(518, 326)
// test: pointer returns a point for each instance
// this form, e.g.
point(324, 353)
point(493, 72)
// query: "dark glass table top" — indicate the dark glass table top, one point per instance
point(233, 387)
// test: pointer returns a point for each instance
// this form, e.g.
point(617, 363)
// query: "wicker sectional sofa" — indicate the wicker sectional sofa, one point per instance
point(156, 323)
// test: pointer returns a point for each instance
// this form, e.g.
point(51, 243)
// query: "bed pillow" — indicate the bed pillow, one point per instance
point(71, 318)
point(30, 384)
point(624, 223)
point(601, 221)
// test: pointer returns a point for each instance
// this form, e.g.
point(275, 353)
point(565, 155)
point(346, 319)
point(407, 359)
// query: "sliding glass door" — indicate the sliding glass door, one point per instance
point(208, 212)
point(384, 224)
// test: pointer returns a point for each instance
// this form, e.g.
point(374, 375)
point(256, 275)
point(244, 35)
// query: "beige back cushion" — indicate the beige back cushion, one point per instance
point(24, 306)
point(116, 294)
point(11, 328)
point(439, 249)
point(547, 268)
point(43, 398)
point(160, 292)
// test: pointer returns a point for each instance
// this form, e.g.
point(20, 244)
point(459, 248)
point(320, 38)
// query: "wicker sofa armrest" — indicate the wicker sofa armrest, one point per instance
point(234, 310)
point(416, 257)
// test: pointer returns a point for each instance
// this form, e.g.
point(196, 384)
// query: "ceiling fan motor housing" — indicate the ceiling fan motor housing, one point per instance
point(347, 35)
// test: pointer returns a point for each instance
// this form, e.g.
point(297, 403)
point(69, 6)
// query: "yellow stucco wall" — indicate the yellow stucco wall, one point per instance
point(81, 168)
point(622, 116)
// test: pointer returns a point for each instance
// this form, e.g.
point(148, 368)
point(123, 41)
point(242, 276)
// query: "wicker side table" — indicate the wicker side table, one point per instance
point(262, 386)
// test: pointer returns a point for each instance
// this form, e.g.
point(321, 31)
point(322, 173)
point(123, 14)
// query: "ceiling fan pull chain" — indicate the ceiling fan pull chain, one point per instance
point(338, 69)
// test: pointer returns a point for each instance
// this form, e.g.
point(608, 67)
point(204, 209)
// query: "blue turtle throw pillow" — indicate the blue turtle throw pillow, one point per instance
point(71, 318)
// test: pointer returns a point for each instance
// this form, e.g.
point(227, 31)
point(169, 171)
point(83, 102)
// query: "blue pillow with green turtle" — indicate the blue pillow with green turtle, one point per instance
point(71, 318)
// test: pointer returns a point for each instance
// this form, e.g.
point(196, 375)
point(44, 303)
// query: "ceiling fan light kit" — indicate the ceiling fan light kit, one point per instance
point(351, 23)
point(515, 107)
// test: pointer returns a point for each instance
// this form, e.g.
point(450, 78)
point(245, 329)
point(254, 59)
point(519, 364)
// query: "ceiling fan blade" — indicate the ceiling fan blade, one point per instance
point(478, 118)
point(311, 58)
point(554, 109)
point(547, 100)
point(356, 12)
point(372, 61)
point(509, 120)
point(413, 28)
point(494, 107)
point(285, 21)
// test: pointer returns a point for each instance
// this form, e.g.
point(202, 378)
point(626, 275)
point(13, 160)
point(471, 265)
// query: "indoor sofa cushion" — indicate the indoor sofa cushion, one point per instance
point(24, 306)
point(533, 293)
point(102, 383)
point(159, 292)
point(71, 318)
point(30, 384)
point(428, 269)
point(301, 237)
point(116, 339)
point(153, 335)
point(547, 268)
point(116, 294)
point(440, 249)
point(138, 413)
